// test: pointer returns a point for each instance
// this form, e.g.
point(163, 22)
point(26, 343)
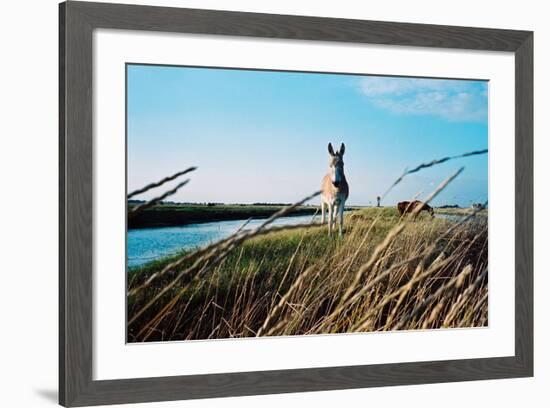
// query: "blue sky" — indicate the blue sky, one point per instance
point(261, 136)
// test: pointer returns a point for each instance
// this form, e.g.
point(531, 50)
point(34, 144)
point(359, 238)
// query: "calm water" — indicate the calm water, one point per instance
point(450, 217)
point(457, 217)
point(147, 244)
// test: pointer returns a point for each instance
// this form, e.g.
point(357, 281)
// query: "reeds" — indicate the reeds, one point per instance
point(386, 273)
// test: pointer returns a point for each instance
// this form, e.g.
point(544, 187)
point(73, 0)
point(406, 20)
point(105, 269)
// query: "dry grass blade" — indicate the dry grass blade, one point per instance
point(286, 210)
point(430, 164)
point(212, 247)
point(439, 189)
point(347, 298)
point(366, 267)
point(444, 291)
point(463, 298)
point(283, 301)
point(161, 182)
point(139, 208)
point(385, 273)
point(174, 265)
point(403, 291)
point(220, 250)
point(417, 277)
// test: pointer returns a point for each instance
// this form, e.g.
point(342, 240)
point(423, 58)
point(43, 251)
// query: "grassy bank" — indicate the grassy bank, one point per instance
point(167, 215)
point(380, 276)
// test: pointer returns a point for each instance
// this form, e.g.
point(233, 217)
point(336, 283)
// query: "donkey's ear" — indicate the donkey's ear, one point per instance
point(330, 149)
point(342, 149)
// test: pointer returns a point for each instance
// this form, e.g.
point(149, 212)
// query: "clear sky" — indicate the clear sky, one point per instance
point(261, 136)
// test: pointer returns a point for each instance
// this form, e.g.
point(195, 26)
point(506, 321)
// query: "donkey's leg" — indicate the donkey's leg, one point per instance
point(341, 214)
point(330, 215)
point(322, 212)
point(334, 215)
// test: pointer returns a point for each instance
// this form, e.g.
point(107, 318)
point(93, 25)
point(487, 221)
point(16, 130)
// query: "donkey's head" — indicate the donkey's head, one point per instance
point(336, 164)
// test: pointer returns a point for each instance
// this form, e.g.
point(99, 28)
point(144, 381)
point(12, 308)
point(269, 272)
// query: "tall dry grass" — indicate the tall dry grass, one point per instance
point(385, 273)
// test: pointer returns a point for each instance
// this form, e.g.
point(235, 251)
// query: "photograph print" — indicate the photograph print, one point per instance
point(280, 203)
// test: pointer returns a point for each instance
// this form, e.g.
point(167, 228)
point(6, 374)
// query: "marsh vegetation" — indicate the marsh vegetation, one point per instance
point(385, 273)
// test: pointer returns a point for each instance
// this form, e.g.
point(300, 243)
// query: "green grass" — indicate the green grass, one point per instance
point(241, 295)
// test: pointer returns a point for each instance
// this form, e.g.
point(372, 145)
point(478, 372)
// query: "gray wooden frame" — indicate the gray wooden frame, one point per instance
point(77, 20)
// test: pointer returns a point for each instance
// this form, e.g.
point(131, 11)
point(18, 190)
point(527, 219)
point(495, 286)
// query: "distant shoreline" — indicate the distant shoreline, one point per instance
point(173, 215)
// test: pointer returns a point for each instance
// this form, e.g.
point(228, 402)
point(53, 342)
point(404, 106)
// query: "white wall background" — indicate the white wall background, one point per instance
point(28, 204)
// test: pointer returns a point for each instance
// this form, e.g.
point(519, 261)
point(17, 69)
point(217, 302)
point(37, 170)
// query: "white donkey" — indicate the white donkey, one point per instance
point(334, 189)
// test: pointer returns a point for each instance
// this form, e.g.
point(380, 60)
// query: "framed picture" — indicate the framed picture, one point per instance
point(255, 204)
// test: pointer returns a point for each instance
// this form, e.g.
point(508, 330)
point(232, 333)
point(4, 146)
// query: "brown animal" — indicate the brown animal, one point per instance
point(334, 189)
point(415, 207)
